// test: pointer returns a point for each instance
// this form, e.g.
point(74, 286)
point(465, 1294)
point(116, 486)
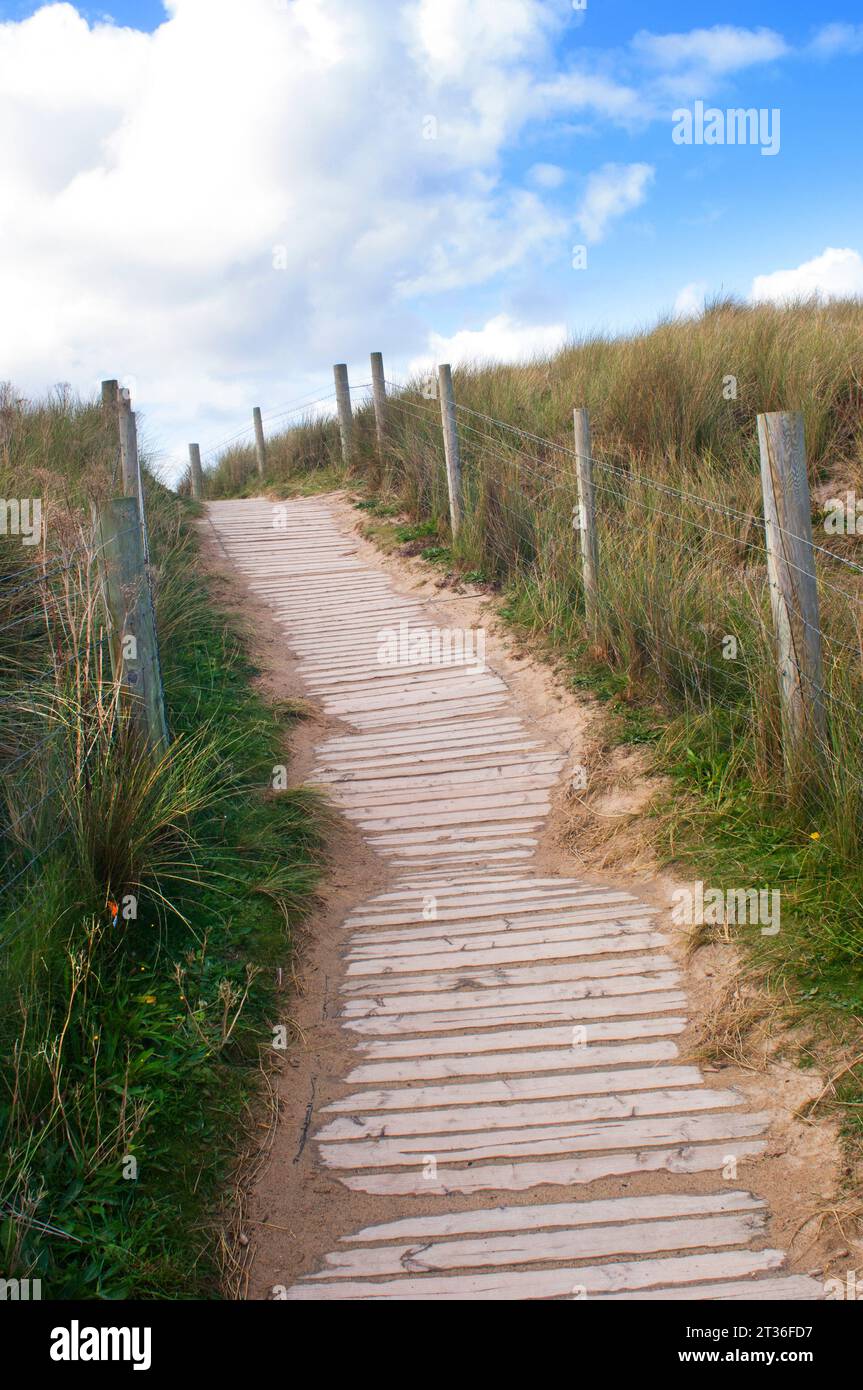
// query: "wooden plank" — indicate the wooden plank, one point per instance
point(566, 1282)
point(554, 1214)
point(418, 692)
point(461, 1119)
point(508, 857)
point(498, 887)
point(446, 737)
point(502, 777)
point(439, 844)
point(531, 1141)
point(516, 1088)
point(565, 994)
point(488, 1252)
point(792, 1287)
point(479, 797)
point(524, 975)
point(505, 1040)
point(519, 1177)
point(517, 931)
point(614, 939)
point(565, 1011)
point(493, 932)
point(465, 903)
point(511, 1063)
point(497, 809)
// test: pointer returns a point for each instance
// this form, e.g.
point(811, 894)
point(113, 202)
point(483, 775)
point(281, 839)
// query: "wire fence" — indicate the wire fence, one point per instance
point(516, 499)
point(517, 503)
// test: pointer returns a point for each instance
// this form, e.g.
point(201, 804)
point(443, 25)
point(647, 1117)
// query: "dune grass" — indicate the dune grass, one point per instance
point(148, 901)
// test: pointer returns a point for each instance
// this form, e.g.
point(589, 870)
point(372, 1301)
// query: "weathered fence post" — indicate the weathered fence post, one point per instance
point(260, 442)
point(586, 515)
point(110, 401)
point(346, 418)
point(793, 588)
point(132, 623)
point(379, 396)
point(128, 445)
point(197, 474)
point(451, 446)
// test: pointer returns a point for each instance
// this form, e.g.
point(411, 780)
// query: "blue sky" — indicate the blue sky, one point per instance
point(219, 210)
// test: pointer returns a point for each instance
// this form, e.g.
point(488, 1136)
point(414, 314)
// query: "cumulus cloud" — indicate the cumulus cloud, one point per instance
point(547, 175)
point(835, 274)
point(690, 299)
point(696, 63)
point(721, 49)
point(222, 208)
point(452, 39)
point(833, 39)
point(610, 192)
point(501, 339)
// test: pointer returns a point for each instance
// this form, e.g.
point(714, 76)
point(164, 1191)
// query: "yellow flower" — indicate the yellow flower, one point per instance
point(816, 835)
point(149, 998)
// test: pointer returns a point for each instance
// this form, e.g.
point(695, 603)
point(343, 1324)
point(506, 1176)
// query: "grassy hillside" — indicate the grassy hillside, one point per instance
point(129, 1045)
point(681, 542)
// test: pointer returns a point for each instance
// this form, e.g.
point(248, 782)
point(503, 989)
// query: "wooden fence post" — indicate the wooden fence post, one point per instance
point(132, 623)
point(587, 515)
point(260, 442)
point(346, 418)
point(379, 396)
point(110, 401)
point(197, 474)
point(128, 445)
point(451, 446)
point(793, 588)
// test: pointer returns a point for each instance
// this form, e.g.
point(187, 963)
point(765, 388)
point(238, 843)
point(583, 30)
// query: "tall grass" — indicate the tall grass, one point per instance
point(143, 899)
point(310, 446)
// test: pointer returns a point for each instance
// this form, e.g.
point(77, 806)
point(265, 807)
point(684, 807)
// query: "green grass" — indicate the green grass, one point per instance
point(138, 1042)
point(438, 555)
point(404, 534)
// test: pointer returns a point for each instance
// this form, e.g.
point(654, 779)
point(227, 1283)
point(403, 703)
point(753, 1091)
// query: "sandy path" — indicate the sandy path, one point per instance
point(495, 1103)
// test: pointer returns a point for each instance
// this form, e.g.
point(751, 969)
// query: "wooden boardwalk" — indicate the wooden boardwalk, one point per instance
point(512, 1031)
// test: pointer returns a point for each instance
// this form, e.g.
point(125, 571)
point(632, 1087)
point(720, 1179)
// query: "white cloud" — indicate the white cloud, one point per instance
point(466, 241)
point(690, 299)
point(592, 93)
point(721, 49)
point(610, 192)
point(502, 339)
point(547, 175)
point(834, 274)
point(451, 38)
point(149, 180)
point(835, 39)
point(698, 63)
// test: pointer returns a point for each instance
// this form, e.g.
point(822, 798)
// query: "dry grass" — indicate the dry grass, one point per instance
point(733, 1029)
